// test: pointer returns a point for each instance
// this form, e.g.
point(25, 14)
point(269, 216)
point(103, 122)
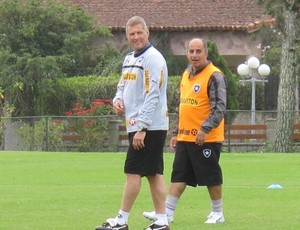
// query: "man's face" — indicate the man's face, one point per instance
point(196, 53)
point(137, 36)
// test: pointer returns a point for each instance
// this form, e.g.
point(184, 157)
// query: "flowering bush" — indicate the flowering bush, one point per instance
point(99, 107)
point(89, 123)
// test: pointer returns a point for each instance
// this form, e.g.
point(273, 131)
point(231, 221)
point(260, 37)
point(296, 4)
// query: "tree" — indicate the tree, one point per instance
point(232, 89)
point(286, 93)
point(43, 39)
point(287, 13)
point(271, 53)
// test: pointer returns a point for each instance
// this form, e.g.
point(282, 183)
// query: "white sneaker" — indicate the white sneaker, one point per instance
point(152, 216)
point(215, 218)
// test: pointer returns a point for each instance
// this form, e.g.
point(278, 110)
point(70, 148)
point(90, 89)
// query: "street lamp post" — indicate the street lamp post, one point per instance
point(253, 72)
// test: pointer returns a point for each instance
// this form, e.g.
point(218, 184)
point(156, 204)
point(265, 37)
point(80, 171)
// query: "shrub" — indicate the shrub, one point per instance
point(67, 91)
point(45, 134)
point(90, 124)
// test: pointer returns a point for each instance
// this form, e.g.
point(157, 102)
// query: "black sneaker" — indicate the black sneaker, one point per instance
point(111, 225)
point(154, 226)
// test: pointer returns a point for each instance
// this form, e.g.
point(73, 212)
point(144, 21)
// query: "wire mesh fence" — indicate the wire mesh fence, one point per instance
point(108, 133)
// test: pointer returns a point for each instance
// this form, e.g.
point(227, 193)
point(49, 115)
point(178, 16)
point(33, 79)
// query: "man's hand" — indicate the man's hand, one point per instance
point(200, 137)
point(173, 142)
point(138, 140)
point(119, 107)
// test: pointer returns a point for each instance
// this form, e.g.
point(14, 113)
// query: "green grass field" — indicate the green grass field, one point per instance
point(45, 190)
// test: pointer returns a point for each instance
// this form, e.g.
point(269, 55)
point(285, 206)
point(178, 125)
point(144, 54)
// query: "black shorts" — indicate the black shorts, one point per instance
point(147, 161)
point(197, 165)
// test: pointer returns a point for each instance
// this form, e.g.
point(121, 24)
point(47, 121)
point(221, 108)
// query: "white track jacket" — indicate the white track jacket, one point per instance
point(143, 90)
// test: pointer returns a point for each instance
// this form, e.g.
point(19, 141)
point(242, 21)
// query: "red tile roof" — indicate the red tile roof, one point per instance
point(180, 15)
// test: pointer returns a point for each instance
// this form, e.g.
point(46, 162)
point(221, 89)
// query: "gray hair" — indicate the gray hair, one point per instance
point(134, 21)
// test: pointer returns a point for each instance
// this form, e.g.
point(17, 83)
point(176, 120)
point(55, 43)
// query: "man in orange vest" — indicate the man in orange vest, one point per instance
point(199, 133)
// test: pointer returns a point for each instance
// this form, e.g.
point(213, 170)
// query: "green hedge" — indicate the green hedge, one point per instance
point(67, 91)
point(86, 89)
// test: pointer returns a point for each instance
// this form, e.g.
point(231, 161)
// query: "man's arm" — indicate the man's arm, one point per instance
point(217, 90)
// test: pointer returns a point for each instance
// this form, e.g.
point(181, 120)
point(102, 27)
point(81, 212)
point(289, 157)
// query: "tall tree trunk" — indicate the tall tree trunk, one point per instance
point(286, 92)
point(297, 94)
